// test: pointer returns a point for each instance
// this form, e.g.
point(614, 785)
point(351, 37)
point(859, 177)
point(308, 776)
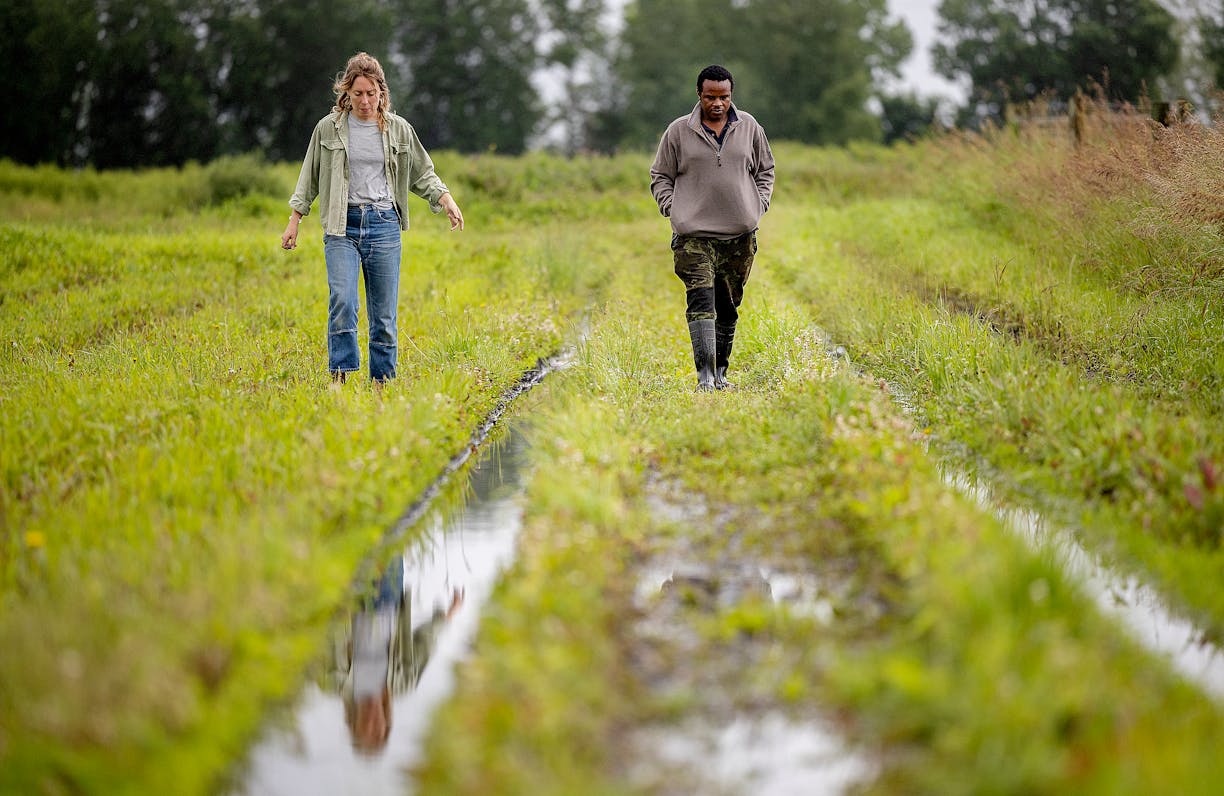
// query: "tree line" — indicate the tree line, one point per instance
point(116, 83)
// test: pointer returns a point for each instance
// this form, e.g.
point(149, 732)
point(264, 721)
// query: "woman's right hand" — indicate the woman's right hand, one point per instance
point(289, 238)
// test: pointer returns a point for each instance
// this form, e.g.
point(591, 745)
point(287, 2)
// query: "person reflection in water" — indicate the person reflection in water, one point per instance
point(380, 654)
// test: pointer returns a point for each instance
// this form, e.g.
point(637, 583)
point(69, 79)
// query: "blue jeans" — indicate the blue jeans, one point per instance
point(371, 247)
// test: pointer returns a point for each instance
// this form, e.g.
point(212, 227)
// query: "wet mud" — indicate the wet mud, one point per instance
point(1000, 319)
point(706, 651)
point(1010, 323)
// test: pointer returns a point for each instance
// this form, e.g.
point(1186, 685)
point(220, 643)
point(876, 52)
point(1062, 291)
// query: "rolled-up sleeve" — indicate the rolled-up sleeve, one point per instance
point(308, 178)
point(422, 180)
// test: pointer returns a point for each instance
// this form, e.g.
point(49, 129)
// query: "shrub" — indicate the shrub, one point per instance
point(237, 176)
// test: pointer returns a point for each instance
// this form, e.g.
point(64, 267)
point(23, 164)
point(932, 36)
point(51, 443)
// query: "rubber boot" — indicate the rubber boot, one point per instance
point(725, 336)
point(702, 335)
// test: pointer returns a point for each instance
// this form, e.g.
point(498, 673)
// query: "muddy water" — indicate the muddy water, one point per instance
point(732, 736)
point(361, 722)
point(730, 741)
point(1137, 606)
point(768, 754)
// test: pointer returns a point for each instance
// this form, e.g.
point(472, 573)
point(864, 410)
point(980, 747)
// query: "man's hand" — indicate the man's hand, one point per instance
point(452, 211)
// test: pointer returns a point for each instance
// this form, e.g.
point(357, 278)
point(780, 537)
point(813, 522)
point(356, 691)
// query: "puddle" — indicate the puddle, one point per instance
point(361, 722)
point(1138, 607)
point(733, 736)
point(770, 755)
point(803, 594)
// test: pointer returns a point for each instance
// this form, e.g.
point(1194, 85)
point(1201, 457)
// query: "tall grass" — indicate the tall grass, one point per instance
point(1056, 308)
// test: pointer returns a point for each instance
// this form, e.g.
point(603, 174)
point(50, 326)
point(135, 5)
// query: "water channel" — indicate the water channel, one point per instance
point(360, 724)
point(1137, 606)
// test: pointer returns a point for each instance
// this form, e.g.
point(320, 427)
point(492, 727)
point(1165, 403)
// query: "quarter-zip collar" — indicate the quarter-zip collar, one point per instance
point(719, 137)
point(716, 143)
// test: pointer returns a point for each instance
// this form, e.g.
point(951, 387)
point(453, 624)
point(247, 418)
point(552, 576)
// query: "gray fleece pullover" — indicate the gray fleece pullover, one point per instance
point(710, 191)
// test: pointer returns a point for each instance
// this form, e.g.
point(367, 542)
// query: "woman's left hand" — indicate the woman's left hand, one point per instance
point(452, 211)
point(290, 235)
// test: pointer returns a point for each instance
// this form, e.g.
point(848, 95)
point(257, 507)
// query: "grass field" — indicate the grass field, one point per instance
point(185, 496)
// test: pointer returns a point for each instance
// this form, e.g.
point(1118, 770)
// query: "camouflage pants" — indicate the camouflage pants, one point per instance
point(714, 273)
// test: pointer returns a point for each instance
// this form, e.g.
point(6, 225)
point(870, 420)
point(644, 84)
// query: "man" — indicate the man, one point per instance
point(713, 177)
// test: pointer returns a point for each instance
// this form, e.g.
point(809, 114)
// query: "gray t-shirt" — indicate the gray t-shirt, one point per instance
point(367, 169)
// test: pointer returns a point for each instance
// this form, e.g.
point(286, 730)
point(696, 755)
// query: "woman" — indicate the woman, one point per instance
point(362, 162)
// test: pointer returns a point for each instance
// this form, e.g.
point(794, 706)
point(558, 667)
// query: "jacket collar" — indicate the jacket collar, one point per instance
point(694, 120)
point(340, 120)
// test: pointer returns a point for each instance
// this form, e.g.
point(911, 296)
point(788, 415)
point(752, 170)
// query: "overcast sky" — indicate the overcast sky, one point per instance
point(916, 72)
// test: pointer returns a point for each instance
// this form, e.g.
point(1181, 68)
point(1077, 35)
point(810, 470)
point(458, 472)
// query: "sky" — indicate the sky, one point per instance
point(916, 72)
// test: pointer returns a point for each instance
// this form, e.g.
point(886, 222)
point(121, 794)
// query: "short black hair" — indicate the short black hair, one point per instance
point(716, 73)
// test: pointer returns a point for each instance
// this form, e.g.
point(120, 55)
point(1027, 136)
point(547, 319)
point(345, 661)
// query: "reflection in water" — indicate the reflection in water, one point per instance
point(1137, 605)
point(382, 652)
point(361, 724)
point(765, 753)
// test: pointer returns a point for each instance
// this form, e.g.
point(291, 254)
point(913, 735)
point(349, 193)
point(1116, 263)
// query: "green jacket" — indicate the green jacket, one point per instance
point(325, 171)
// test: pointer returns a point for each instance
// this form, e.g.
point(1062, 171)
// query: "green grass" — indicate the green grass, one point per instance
point(1062, 381)
point(184, 496)
point(988, 672)
point(182, 487)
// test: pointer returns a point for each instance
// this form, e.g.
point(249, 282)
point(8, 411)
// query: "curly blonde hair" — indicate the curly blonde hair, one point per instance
point(363, 65)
